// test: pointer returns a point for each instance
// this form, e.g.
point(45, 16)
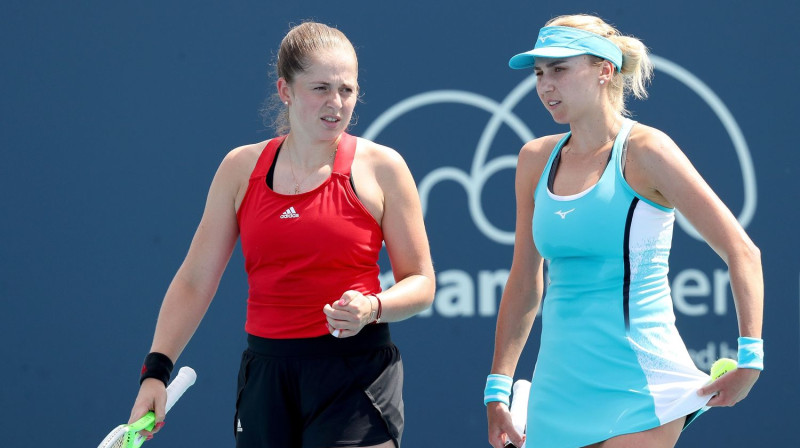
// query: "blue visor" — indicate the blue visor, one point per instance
point(566, 41)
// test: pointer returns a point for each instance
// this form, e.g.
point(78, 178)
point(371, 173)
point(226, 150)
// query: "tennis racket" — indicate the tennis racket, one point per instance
point(127, 436)
point(519, 408)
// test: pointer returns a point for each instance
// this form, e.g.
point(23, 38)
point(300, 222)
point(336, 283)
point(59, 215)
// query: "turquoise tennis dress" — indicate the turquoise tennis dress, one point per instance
point(611, 361)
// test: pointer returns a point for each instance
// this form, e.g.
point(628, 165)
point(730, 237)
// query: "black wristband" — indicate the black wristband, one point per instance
point(156, 365)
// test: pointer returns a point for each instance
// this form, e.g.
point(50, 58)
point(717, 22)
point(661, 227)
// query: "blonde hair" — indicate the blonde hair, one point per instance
point(297, 48)
point(636, 70)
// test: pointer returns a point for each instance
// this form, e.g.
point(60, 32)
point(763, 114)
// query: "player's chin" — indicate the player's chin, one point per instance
point(559, 118)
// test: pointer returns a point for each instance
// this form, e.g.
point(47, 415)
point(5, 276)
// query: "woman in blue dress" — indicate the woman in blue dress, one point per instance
point(598, 203)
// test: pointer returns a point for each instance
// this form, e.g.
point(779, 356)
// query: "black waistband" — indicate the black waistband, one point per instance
point(369, 338)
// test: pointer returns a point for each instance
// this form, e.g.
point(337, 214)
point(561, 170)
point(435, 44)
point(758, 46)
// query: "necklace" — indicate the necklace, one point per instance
point(291, 167)
point(569, 147)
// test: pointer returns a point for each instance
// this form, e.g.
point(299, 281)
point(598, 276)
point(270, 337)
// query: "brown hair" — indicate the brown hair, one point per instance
point(294, 54)
point(636, 70)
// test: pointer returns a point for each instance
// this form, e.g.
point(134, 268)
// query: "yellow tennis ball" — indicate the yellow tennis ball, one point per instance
point(722, 366)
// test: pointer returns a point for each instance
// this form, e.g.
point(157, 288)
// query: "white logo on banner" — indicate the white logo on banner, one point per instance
point(695, 293)
point(482, 169)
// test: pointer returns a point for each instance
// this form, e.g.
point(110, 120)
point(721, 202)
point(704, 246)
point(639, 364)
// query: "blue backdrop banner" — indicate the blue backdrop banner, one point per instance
point(115, 117)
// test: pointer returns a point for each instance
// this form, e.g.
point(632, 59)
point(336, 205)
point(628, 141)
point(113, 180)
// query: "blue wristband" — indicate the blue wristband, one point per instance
point(751, 353)
point(498, 388)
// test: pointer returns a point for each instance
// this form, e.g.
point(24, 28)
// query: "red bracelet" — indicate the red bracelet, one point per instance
point(380, 308)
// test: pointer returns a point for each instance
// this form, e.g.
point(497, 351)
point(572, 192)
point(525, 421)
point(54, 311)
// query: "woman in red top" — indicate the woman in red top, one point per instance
point(313, 208)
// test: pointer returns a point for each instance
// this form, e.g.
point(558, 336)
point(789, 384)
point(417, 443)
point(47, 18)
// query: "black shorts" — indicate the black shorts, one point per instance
point(320, 392)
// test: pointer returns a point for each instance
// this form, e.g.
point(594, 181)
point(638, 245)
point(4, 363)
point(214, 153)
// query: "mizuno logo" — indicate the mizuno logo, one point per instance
point(563, 215)
point(290, 213)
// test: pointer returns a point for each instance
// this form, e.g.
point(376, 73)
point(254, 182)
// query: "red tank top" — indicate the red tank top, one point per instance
point(303, 251)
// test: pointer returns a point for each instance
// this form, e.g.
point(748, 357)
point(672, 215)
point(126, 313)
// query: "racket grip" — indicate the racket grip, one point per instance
point(519, 404)
point(519, 408)
point(186, 377)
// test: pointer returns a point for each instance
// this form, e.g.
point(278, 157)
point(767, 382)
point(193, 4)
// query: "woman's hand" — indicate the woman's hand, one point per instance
point(731, 387)
point(152, 397)
point(501, 427)
point(349, 314)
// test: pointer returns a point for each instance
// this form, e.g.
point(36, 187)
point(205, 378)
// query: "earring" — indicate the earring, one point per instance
point(602, 81)
point(286, 103)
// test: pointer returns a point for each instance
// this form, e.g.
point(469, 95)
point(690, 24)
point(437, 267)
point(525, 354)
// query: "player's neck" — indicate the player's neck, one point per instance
point(594, 133)
point(309, 153)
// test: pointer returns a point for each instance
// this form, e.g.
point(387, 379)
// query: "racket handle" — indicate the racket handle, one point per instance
point(519, 404)
point(519, 408)
point(186, 377)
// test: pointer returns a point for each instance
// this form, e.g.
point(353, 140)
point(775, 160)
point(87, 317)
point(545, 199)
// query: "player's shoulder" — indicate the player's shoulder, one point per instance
point(533, 158)
point(542, 146)
point(538, 151)
point(376, 150)
point(246, 152)
point(649, 142)
point(241, 160)
point(380, 157)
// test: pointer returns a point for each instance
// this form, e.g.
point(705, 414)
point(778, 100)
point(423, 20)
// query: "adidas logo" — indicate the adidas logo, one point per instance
point(290, 213)
point(238, 425)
